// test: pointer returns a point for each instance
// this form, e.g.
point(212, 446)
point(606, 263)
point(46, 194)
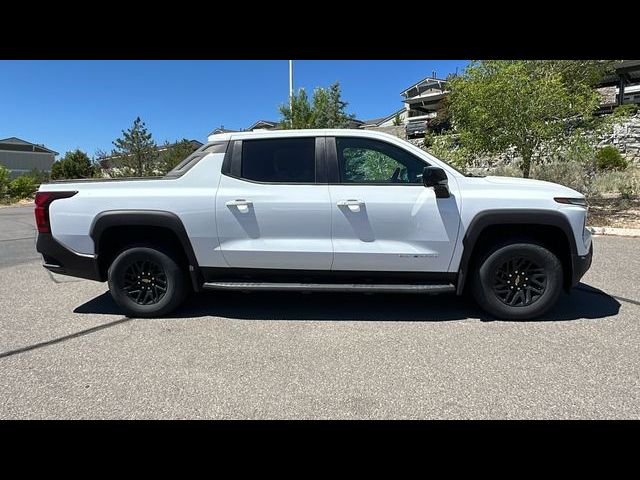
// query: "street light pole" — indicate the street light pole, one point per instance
point(291, 90)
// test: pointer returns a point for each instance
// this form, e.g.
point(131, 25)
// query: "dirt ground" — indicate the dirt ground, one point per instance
point(20, 203)
point(614, 212)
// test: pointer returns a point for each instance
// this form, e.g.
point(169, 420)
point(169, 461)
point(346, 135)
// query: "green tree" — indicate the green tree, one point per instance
point(4, 182)
point(74, 164)
point(172, 154)
point(500, 104)
point(327, 109)
point(136, 150)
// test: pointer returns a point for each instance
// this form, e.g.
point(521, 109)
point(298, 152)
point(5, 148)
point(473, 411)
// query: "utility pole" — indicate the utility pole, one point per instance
point(291, 90)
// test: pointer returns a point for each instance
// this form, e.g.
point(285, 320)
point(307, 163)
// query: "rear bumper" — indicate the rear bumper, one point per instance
point(59, 259)
point(580, 264)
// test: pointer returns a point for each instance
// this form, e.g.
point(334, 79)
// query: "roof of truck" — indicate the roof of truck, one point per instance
point(327, 132)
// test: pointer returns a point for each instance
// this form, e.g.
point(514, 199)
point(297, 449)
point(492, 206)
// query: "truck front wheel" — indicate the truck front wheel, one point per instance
point(519, 281)
point(146, 282)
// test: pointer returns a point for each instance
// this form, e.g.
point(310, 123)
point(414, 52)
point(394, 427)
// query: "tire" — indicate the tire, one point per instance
point(525, 295)
point(162, 284)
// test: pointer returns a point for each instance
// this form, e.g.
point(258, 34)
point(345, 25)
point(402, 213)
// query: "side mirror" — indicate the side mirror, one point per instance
point(437, 178)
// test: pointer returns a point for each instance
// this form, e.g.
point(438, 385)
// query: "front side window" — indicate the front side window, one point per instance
point(362, 160)
point(290, 160)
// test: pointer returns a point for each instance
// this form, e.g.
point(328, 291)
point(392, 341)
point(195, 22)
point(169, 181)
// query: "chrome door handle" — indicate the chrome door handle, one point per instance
point(354, 205)
point(242, 204)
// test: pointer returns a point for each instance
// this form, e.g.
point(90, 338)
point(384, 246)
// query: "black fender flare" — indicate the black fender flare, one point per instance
point(510, 217)
point(150, 218)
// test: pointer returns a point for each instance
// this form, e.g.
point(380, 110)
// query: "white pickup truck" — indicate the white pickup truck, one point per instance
point(317, 210)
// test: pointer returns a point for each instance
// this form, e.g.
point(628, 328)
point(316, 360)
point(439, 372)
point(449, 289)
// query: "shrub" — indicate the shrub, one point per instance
point(571, 174)
point(39, 176)
point(609, 182)
point(447, 147)
point(22, 187)
point(4, 182)
point(625, 111)
point(630, 187)
point(609, 158)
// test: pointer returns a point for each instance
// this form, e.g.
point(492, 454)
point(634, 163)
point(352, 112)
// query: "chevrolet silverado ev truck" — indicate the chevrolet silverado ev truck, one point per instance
point(317, 210)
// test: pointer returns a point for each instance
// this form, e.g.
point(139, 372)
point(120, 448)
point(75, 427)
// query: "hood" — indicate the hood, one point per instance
point(528, 183)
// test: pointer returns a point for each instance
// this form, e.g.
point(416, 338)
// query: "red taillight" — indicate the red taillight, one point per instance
point(43, 200)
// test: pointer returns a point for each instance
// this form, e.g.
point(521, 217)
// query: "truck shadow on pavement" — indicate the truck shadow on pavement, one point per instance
point(585, 302)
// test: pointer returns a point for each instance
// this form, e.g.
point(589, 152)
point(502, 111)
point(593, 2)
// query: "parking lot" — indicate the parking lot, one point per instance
point(66, 351)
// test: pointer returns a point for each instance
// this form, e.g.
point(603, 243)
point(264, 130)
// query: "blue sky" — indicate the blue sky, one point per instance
point(86, 104)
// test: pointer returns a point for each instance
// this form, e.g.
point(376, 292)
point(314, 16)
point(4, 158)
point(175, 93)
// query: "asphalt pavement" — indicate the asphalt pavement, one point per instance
point(67, 352)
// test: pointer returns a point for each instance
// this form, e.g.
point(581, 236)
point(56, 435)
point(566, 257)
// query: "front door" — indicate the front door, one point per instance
point(270, 211)
point(383, 218)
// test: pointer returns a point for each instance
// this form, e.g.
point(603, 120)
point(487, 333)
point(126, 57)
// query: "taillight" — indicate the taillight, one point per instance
point(43, 200)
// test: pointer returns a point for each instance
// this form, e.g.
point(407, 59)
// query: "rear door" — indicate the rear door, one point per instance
point(272, 205)
point(383, 218)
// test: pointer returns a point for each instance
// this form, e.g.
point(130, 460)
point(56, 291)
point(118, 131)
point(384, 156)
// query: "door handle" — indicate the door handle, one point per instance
point(242, 204)
point(354, 205)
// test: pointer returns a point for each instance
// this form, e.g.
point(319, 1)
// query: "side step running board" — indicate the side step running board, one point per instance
point(331, 287)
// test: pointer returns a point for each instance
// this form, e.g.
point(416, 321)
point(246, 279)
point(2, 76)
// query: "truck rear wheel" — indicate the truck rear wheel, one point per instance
point(518, 281)
point(146, 282)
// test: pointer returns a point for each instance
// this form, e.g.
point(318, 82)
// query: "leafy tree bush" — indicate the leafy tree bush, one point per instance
point(22, 187)
point(622, 111)
point(609, 158)
point(4, 182)
point(326, 110)
point(447, 147)
point(39, 176)
point(74, 164)
point(497, 105)
point(173, 154)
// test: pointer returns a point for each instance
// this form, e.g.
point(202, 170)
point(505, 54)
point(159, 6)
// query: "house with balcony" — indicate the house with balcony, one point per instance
point(422, 101)
point(621, 87)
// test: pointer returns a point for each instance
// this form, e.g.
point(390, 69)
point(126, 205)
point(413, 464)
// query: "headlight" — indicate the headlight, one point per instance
point(582, 202)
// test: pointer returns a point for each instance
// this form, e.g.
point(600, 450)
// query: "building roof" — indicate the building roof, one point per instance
point(222, 130)
point(374, 122)
point(195, 143)
point(15, 143)
point(426, 80)
point(629, 69)
point(268, 123)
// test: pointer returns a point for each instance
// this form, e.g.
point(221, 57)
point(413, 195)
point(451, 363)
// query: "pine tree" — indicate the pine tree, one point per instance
point(136, 150)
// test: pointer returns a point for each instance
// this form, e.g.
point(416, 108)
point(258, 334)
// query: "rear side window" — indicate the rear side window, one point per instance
point(290, 160)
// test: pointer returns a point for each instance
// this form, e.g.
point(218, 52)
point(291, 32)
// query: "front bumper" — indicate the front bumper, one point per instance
point(579, 265)
point(59, 259)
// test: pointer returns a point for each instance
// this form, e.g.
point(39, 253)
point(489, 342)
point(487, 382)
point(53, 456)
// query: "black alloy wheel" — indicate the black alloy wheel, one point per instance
point(145, 282)
point(519, 282)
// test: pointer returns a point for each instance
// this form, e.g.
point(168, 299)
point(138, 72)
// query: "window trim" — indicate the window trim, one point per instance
point(334, 165)
point(232, 163)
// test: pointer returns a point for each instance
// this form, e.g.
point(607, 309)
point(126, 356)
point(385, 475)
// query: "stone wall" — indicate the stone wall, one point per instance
point(608, 95)
point(626, 138)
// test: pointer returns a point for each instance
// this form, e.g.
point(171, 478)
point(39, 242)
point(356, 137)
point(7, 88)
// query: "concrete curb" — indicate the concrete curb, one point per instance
point(617, 232)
